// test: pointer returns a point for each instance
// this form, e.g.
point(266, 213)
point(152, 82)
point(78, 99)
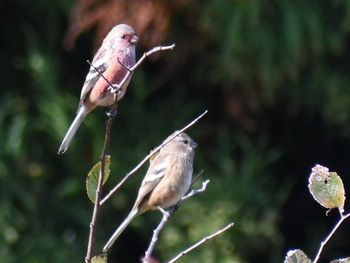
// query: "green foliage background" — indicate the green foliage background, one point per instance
point(274, 76)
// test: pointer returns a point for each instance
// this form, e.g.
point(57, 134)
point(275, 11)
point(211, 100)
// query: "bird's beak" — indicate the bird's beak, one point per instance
point(194, 145)
point(134, 39)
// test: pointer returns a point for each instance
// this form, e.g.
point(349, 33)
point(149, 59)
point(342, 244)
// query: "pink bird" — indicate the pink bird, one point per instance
point(115, 54)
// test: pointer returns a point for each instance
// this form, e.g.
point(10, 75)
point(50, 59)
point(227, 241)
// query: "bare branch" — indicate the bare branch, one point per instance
point(196, 178)
point(156, 232)
point(153, 50)
point(99, 189)
point(111, 86)
point(205, 239)
point(129, 174)
point(196, 191)
point(132, 69)
point(323, 243)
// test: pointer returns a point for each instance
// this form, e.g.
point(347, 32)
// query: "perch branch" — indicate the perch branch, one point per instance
point(165, 218)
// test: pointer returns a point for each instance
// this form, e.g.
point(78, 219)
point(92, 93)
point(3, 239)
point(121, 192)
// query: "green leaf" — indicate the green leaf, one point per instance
point(99, 259)
point(327, 188)
point(296, 256)
point(92, 178)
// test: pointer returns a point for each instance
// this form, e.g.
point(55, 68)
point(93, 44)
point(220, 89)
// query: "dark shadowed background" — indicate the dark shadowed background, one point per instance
point(274, 76)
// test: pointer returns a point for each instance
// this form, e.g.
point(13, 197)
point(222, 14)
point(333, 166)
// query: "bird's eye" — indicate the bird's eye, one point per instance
point(123, 36)
point(185, 141)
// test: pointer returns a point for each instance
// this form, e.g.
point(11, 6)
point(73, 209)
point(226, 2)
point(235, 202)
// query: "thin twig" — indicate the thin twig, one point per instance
point(196, 178)
point(132, 69)
point(153, 50)
point(156, 232)
point(205, 239)
point(100, 73)
point(323, 243)
point(111, 116)
point(196, 191)
point(129, 174)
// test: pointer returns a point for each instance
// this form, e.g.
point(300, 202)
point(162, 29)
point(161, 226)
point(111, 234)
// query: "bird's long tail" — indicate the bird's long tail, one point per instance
point(120, 229)
point(81, 114)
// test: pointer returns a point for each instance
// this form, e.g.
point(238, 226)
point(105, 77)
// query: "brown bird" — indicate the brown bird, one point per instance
point(167, 180)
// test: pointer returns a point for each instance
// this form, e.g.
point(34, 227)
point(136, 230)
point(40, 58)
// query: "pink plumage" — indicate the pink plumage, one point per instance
point(116, 52)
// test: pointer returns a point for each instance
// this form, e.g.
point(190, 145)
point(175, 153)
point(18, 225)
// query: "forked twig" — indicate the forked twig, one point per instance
point(132, 69)
point(156, 232)
point(166, 215)
point(196, 191)
point(101, 74)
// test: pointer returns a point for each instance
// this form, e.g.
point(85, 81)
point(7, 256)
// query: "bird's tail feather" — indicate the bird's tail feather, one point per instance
point(81, 114)
point(120, 229)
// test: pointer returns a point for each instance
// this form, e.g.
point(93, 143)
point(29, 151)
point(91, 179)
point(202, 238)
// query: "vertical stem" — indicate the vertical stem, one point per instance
point(97, 204)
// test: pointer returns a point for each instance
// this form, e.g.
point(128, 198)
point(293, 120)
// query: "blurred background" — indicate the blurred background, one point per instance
point(274, 76)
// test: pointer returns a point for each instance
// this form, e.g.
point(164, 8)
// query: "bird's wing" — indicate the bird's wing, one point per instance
point(101, 63)
point(154, 175)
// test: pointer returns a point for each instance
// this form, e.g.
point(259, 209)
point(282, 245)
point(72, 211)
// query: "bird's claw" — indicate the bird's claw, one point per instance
point(115, 89)
point(167, 213)
point(112, 113)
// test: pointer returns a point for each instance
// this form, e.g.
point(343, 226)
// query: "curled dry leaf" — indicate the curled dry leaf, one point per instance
point(327, 188)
